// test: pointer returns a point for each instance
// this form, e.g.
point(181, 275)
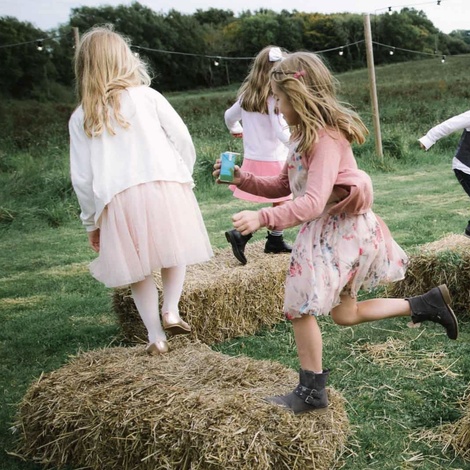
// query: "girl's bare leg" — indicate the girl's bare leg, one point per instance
point(351, 312)
point(309, 342)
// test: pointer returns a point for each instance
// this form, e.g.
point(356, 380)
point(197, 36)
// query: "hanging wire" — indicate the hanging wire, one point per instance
point(402, 49)
point(389, 8)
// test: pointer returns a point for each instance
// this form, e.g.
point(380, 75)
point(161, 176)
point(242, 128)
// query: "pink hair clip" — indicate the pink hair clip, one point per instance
point(299, 74)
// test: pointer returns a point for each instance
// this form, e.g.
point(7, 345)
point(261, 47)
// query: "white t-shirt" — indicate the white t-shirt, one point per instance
point(265, 136)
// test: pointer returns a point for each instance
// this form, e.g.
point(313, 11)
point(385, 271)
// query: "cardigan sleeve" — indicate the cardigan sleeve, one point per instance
point(232, 118)
point(456, 123)
point(81, 172)
point(323, 165)
point(176, 131)
point(271, 187)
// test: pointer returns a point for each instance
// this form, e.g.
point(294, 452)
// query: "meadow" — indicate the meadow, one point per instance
point(400, 384)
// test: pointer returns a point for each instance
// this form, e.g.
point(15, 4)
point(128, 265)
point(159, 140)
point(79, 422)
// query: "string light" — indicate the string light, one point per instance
point(391, 51)
point(443, 59)
point(389, 9)
point(216, 63)
point(341, 50)
point(39, 45)
point(438, 2)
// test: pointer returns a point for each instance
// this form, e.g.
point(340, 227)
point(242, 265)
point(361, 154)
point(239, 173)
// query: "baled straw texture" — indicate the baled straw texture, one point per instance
point(445, 261)
point(190, 409)
point(456, 435)
point(221, 299)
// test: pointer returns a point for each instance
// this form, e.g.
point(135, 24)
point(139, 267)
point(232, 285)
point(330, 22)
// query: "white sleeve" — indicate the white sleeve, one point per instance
point(446, 128)
point(232, 118)
point(278, 123)
point(81, 173)
point(177, 132)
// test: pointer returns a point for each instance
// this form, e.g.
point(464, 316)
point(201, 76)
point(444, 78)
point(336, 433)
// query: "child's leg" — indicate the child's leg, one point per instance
point(173, 280)
point(310, 394)
point(275, 240)
point(145, 296)
point(309, 342)
point(350, 312)
point(433, 306)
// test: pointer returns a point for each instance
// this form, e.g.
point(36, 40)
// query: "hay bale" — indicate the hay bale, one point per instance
point(221, 299)
point(455, 436)
point(445, 261)
point(191, 409)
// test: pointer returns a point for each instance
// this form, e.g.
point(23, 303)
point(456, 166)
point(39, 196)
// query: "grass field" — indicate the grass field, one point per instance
point(400, 384)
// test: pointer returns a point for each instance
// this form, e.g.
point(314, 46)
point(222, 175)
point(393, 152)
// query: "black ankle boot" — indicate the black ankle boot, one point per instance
point(238, 242)
point(435, 306)
point(309, 395)
point(276, 244)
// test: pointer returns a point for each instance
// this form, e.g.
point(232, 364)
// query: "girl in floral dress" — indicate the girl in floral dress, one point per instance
point(342, 246)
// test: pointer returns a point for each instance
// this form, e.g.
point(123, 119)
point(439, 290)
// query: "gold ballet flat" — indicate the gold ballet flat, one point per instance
point(174, 324)
point(159, 347)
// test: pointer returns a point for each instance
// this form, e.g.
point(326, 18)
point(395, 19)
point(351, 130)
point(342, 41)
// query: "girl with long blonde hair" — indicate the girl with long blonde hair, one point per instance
point(341, 246)
point(131, 160)
point(265, 134)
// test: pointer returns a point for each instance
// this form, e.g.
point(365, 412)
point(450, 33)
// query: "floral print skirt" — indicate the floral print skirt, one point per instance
point(336, 255)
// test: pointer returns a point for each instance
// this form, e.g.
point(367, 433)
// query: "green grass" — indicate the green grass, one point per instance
point(51, 307)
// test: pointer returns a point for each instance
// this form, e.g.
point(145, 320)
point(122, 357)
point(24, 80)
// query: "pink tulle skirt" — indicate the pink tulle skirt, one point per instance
point(259, 168)
point(146, 227)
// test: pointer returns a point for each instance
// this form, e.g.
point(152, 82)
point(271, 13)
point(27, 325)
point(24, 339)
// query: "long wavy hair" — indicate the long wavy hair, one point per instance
point(312, 91)
point(255, 89)
point(104, 67)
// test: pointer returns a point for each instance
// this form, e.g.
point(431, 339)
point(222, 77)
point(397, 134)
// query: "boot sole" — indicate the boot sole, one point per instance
point(448, 301)
point(236, 252)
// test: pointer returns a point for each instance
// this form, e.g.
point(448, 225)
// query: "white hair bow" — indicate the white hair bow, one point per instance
point(275, 54)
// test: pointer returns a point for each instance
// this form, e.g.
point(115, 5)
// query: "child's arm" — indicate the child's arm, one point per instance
point(81, 172)
point(232, 119)
point(444, 129)
point(176, 131)
point(278, 123)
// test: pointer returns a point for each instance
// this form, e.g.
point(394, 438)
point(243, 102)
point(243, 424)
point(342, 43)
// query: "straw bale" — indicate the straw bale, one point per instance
point(190, 409)
point(221, 299)
point(445, 261)
point(455, 436)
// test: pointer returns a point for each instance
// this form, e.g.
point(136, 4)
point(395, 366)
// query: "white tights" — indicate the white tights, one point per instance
point(145, 296)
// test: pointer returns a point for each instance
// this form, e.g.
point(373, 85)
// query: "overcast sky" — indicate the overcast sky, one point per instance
point(47, 14)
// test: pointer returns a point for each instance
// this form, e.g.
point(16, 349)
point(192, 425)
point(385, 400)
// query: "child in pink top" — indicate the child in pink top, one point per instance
point(342, 246)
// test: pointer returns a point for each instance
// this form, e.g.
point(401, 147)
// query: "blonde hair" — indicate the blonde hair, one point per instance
point(255, 89)
point(311, 89)
point(104, 66)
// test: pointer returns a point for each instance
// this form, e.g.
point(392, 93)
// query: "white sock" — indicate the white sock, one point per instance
point(172, 280)
point(145, 296)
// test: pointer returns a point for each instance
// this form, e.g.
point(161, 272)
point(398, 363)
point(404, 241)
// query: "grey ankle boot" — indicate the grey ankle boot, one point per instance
point(435, 306)
point(309, 395)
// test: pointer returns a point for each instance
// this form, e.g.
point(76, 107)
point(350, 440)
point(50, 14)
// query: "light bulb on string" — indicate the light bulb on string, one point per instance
point(438, 2)
point(216, 63)
point(443, 59)
point(391, 51)
point(389, 9)
point(39, 45)
point(341, 50)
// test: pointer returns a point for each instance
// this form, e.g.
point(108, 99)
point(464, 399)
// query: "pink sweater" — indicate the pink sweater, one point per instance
point(333, 180)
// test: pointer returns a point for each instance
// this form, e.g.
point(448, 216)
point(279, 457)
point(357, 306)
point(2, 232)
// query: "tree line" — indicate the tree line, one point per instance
point(217, 44)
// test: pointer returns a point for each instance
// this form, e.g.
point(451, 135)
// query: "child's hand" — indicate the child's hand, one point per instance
point(238, 135)
point(236, 174)
point(246, 222)
point(94, 240)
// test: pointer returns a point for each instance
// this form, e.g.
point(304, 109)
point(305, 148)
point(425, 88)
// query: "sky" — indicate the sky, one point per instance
point(47, 14)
